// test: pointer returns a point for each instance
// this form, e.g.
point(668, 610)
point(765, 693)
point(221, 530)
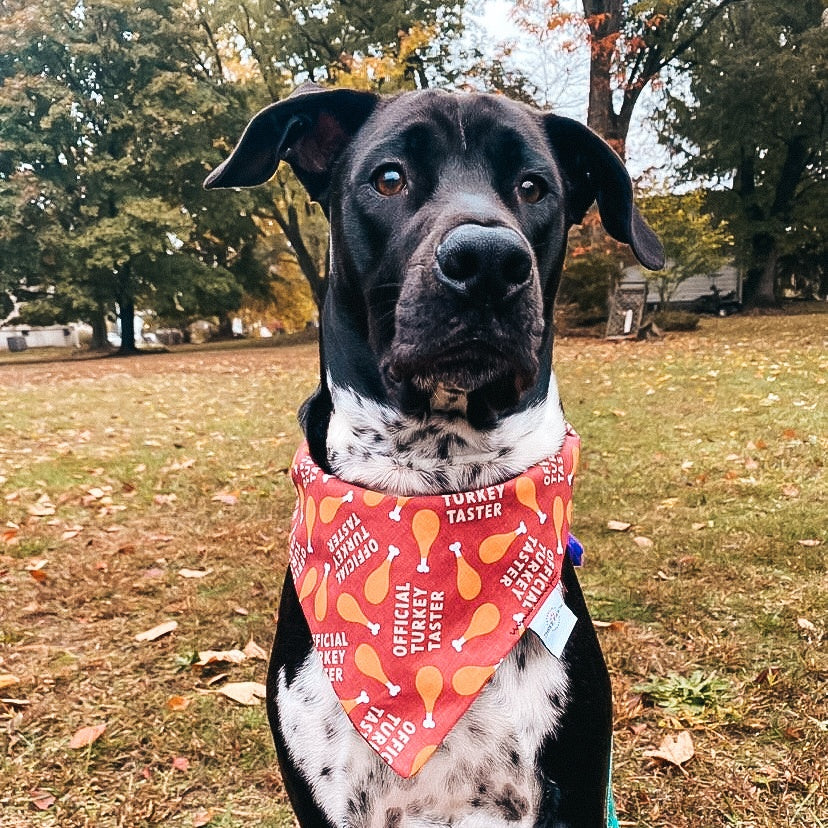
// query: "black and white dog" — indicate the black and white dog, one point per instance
point(449, 217)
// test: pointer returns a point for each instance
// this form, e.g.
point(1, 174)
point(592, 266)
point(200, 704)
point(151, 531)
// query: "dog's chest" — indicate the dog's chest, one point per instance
point(484, 773)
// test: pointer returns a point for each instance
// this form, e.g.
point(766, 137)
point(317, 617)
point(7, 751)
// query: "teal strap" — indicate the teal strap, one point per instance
point(612, 817)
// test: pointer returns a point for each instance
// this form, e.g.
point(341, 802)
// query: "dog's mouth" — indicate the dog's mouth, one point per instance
point(473, 366)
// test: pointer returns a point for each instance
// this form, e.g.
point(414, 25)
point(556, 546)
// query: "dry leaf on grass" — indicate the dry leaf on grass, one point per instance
point(206, 657)
point(157, 631)
point(618, 525)
point(181, 763)
point(809, 542)
point(7, 680)
point(614, 626)
point(202, 817)
point(244, 692)
point(642, 542)
point(177, 703)
point(42, 800)
point(676, 749)
point(86, 735)
point(228, 498)
point(194, 573)
point(253, 650)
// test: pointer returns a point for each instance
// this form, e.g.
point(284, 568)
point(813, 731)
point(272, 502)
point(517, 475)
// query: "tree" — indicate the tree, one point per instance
point(754, 123)
point(105, 127)
point(694, 242)
point(630, 44)
point(387, 46)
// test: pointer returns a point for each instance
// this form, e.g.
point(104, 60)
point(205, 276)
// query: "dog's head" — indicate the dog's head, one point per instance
point(449, 216)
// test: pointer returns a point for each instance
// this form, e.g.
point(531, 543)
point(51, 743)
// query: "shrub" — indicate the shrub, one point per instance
point(674, 320)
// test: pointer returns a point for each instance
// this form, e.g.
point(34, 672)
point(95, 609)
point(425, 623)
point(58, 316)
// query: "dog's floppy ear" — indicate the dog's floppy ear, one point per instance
point(594, 172)
point(308, 129)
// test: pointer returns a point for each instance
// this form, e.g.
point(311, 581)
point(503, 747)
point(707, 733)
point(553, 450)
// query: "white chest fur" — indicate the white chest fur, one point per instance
point(484, 772)
point(482, 775)
point(379, 448)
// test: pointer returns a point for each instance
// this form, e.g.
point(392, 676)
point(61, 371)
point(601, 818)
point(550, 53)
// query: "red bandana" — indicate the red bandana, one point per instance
point(413, 602)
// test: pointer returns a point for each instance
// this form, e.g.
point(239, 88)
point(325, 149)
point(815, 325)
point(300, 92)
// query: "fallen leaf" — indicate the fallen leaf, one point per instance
point(206, 657)
point(241, 611)
point(806, 625)
point(7, 680)
point(661, 575)
point(644, 543)
point(10, 533)
point(229, 498)
point(181, 763)
point(618, 525)
point(676, 749)
point(163, 499)
point(202, 817)
point(41, 509)
point(157, 631)
point(809, 542)
point(177, 703)
point(15, 702)
point(244, 692)
point(253, 650)
point(71, 532)
point(696, 527)
point(614, 626)
point(790, 491)
point(42, 800)
point(194, 573)
point(86, 735)
point(37, 570)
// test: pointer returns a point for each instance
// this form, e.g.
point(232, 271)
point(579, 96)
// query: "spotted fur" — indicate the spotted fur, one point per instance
point(378, 447)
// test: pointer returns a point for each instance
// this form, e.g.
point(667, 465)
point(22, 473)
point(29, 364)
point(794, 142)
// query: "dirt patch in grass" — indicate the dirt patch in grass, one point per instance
point(139, 491)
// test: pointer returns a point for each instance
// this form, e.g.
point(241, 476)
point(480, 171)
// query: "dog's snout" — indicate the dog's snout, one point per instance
point(475, 260)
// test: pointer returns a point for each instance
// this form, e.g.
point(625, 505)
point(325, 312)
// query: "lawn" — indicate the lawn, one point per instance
point(140, 491)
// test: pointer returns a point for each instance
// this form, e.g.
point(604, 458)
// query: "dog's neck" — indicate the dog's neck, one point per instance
point(378, 447)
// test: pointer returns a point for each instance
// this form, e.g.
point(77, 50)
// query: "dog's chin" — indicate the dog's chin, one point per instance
point(490, 380)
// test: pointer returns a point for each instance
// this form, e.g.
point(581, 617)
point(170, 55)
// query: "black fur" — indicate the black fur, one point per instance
point(449, 285)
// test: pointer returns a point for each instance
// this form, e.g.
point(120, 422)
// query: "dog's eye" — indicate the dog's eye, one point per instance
point(389, 180)
point(532, 189)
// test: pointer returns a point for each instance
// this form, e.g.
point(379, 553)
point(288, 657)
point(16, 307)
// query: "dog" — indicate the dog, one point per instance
point(448, 219)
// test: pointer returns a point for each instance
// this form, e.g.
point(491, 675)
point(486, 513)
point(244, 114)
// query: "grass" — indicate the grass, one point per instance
point(120, 473)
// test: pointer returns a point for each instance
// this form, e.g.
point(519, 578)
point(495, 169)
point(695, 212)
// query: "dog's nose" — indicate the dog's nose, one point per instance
point(476, 261)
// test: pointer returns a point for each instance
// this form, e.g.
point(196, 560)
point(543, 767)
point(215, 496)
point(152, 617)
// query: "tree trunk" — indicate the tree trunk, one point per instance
point(760, 286)
point(98, 321)
point(126, 313)
point(604, 20)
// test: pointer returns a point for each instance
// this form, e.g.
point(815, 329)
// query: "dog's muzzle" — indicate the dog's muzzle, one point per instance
point(471, 320)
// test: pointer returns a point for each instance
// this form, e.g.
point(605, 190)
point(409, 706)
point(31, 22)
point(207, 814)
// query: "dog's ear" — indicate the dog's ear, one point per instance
point(594, 172)
point(309, 129)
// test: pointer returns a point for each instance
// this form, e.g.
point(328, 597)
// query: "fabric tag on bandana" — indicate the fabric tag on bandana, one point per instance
point(554, 622)
point(413, 602)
